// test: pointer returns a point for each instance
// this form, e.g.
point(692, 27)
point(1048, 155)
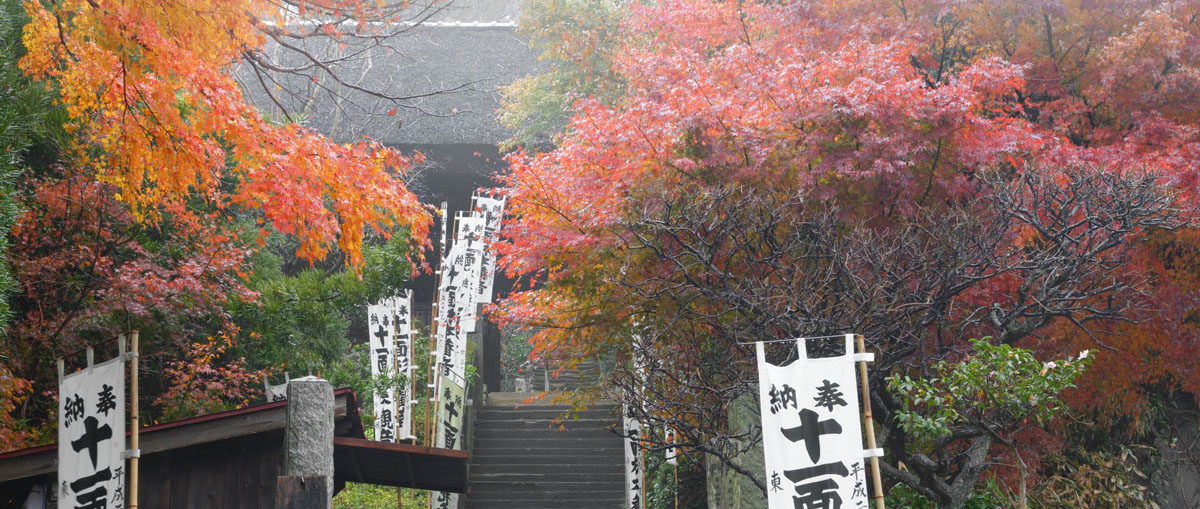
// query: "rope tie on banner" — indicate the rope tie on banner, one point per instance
point(873, 453)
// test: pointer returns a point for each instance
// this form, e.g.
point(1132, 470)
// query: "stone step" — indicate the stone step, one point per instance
point(567, 496)
point(534, 398)
point(565, 443)
point(608, 466)
point(491, 433)
point(497, 402)
point(556, 449)
point(546, 490)
point(507, 503)
point(532, 456)
point(519, 476)
point(507, 413)
point(529, 456)
point(545, 425)
point(598, 420)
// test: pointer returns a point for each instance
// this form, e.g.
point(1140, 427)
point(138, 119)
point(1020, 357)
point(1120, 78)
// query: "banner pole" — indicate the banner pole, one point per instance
point(412, 369)
point(431, 380)
point(437, 378)
point(134, 423)
point(870, 425)
point(395, 403)
point(643, 435)
point(676, 465)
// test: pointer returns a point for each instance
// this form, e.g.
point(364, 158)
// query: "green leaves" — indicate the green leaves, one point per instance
point(578, 38)
point(997, 388)
point(302, 317)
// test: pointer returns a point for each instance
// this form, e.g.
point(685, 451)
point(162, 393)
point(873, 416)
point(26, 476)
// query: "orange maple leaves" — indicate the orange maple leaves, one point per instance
point(149, 85)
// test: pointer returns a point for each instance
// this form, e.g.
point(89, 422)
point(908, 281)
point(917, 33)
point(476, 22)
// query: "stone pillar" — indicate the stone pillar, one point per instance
point(726, 487)
point(309, 441)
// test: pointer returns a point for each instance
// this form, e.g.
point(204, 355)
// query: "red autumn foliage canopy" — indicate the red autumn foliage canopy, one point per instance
point(885, 109)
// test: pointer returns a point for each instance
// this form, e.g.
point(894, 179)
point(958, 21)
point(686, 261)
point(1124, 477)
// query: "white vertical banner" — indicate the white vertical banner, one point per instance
point(812, 437)
point(450, 412)
point(402, 311)
point(457, 298)
point(634, 497)
point(492, 210)
point(381, 327)
point(672, 452)
point(445, 500)
point(470, 240)
point(451, 339)
point(276, 392)
point(91, 436)
point(451, 407)
point(634, 491)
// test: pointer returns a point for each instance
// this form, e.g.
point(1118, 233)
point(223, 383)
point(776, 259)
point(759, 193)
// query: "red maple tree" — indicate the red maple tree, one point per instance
point(1022, 166)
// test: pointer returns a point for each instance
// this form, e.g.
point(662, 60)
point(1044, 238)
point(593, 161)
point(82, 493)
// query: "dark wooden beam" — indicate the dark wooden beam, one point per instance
point(301, 492)
point(182, 433)
point(400, 448)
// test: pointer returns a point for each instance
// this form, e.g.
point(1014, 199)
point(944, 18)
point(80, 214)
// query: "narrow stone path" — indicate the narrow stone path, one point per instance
point(523, 461)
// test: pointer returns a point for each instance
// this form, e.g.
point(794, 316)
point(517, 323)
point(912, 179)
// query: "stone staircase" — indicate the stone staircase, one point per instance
point(584, 376)
point(522, 460)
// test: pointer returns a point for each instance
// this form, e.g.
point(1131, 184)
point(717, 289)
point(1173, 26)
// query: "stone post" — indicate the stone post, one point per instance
point(309, 441)
point(726, 487)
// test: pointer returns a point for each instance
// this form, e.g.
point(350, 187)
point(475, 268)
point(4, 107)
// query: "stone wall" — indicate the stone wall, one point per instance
point(1175, 483)
point(728, 489)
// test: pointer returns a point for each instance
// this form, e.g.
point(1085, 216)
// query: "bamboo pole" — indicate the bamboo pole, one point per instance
point(412, 369)
point(412, 386)
point(431, 381)
point(643, 435)
point(395, 405)
point(676, 465)
point(869, 425)
point(431, 378)
point(134, 423)
point(437, 388)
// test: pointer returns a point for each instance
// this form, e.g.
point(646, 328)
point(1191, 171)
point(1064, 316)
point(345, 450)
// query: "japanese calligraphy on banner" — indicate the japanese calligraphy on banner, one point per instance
point(381, 324)
point(91, 437)
point(276, 392)
point(633, 462)
point(812, 438)
point(450, 413)
point(457, 298)
point(492, 210)
point(402, 313)
point(672, 452)
point(450, 336)
point(469, 241)
point(445, 500)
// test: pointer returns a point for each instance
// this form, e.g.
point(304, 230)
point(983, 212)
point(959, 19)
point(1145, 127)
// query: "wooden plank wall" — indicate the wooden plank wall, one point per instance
point(238, 473)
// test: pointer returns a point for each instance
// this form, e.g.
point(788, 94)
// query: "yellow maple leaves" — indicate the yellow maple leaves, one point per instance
point(161, 117)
